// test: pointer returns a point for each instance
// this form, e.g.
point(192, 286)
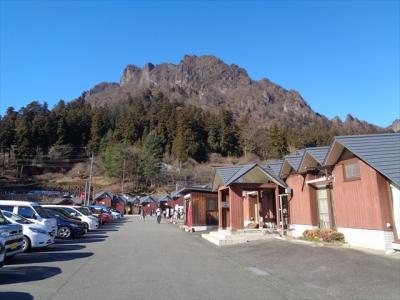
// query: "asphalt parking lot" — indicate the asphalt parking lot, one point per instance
point(135, 259)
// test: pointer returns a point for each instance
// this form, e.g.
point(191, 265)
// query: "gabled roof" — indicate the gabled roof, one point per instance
point(176, 194)
point(380, 151)
point(228, 175)
point(102, 193)
point(199, 188)
point(164, 198)
point(295, 159)
point(243, 170)
point(275, 167)
point(291, 161)
point(148, 199)
point(312, 157)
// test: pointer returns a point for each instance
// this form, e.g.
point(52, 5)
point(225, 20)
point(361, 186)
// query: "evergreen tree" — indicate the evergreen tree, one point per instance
point(278, 143)
point(99, 127)
point(7, 130)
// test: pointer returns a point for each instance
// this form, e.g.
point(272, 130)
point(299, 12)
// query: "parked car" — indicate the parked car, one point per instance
point(94, 213)
point(90, 221)
point(2, 251)
point(116, 214)
point(102, 212)
point(12, 237)
point(35, 235)
point(31, 211)
point(67, 227)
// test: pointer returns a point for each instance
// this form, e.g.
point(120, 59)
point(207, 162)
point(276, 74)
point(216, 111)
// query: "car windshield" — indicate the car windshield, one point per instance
point(83, 210)
point(71, 211)
point(17, 218)
point(3, 220)
point(40, 211)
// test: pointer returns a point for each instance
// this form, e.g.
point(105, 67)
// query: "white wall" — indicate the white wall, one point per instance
point(365, 238)
point(297, 230)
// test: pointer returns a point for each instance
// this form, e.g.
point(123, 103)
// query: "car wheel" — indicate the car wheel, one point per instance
point(64, 232)
point(26, 244)
point(87, 226)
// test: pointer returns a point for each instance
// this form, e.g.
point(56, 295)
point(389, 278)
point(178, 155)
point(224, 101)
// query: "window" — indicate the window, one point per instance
point(41, 212)
point(351, 171)
point(7, 207)
point(212, 205)
point(26, 212)
point(3, 220)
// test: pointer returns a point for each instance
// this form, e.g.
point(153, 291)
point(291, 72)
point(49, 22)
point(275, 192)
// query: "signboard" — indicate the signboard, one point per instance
point(225, 204)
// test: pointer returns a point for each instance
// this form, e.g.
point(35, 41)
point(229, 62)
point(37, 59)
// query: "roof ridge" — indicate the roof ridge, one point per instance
point(241, 168)
point(367, 135)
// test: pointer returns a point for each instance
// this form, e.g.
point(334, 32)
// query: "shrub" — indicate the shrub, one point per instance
point(311, 234)
point(326, 235)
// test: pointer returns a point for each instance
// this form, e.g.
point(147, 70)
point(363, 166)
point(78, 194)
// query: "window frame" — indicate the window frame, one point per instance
point(345, 177)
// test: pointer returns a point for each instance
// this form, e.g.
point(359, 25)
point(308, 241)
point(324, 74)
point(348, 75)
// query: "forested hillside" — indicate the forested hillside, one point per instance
point(161, 117)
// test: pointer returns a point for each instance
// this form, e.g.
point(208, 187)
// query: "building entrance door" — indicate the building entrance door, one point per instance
point(323, 208)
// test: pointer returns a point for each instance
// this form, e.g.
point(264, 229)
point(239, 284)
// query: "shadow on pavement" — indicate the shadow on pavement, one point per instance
point(15, 296)
point(94, 239)
point(9, 275)
point(40, 257)
point(94, 236)
point(105, 230)
point(58, 247)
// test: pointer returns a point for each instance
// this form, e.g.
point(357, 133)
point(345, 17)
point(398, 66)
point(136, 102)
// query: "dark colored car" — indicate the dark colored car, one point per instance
point(67, 227)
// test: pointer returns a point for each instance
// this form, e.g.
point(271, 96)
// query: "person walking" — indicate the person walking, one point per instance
point(143, 215)
point(158, 213)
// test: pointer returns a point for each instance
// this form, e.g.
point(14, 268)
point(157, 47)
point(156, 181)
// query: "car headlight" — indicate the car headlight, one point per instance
point(4, 234)
point(37, 230)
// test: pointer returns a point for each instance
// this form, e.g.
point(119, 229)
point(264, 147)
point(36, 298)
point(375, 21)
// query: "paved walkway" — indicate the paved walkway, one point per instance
point(138, 259)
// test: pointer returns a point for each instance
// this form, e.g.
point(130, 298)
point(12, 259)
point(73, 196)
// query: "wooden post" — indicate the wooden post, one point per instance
point(277, 205)
point(219, 209)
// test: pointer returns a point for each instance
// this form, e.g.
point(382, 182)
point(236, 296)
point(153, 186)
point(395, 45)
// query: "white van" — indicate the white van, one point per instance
point(30, 210)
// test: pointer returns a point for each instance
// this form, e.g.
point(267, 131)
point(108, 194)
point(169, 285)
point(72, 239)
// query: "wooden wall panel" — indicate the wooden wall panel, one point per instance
point(236, 207)
point(199, 208)
point(302, 205)
point(360, 203)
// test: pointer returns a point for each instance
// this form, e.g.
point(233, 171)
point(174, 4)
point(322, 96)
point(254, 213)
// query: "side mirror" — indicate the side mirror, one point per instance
point(34, 216)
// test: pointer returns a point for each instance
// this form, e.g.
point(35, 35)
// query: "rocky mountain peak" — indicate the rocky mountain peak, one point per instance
point(209, 83)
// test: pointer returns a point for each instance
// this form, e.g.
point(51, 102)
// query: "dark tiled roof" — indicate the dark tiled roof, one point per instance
point(380, 151)
point(319, 153)
point(199, 188)
point(164, 198)
point(242, 171)
point(275, 167)
point(295, 159)
point(148, 199)
point(273, 171)
point(226, 173)
point(231, 174)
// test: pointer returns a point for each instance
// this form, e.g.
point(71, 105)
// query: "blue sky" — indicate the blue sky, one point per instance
point(342, 56)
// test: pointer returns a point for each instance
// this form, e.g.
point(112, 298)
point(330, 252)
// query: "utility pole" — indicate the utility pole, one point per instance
point(90, 179)
point(86, 193)
point(123, 177)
